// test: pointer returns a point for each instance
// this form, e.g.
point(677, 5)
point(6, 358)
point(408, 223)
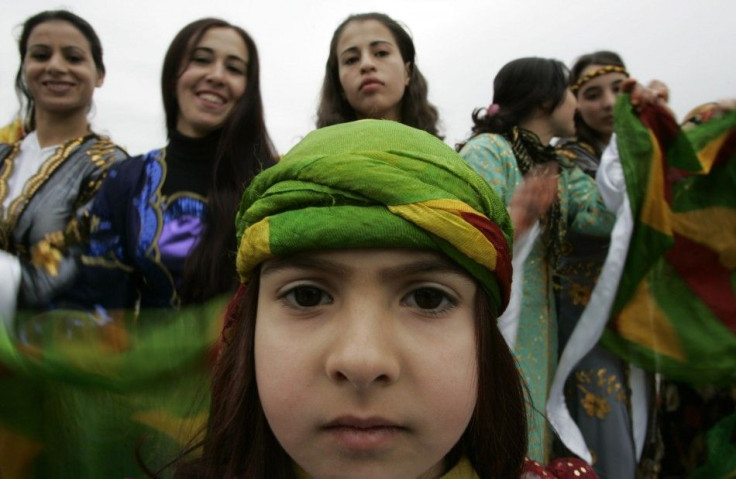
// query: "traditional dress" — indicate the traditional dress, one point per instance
point(148, 217)
point(597, 390)
point(42, 232)
point(578, 208)
point(90, 395)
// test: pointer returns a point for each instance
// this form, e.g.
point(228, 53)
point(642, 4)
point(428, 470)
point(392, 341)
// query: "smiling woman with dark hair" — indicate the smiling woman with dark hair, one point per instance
point(48, 178)
point(163, 232)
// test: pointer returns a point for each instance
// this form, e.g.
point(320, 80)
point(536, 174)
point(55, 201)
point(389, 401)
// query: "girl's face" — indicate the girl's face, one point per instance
point(213, 80)
point(373, 75)
point(366, 360)
point(562, 118)
point(59, 70)
point(596, 99)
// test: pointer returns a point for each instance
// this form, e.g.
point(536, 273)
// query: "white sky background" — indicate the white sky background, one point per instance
point(461, 44)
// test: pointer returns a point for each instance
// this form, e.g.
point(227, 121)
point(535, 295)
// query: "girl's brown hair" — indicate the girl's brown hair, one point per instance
point(416, 111)
point(239, 443)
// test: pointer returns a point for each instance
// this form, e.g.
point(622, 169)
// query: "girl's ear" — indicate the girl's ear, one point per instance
point(100, 80)
point(407, 70)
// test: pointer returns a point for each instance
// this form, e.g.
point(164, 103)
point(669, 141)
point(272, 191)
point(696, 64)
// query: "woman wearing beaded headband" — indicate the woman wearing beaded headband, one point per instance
point(509, 148)
point(598, 392)
point(596, 80)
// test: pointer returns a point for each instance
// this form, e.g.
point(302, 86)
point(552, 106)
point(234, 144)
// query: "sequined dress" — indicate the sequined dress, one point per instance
point(147, 218)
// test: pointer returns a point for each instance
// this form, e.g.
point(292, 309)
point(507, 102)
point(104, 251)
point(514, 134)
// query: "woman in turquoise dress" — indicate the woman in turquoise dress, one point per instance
point(547, 197)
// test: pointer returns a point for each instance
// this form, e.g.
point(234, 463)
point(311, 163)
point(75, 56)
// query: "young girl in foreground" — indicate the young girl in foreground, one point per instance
point(362, 342)
point(371, 73)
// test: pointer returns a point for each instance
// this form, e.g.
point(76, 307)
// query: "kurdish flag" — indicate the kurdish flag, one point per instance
point(86, 395)
point(675, 308)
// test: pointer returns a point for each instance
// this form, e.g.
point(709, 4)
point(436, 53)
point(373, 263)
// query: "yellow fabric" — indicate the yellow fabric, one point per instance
point(441, 218)
point(656, 333)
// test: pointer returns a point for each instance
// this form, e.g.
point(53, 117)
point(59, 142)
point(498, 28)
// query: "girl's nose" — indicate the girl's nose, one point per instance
point(56, 63)
point(367, 63)
point(363, 352)
point(216, 73)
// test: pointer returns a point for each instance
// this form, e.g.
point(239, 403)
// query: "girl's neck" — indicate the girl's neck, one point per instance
point(603, 139)
point(54, 129)
point(539, 127)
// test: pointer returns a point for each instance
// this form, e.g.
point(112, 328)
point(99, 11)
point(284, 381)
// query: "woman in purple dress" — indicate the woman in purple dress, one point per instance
point(163, 231)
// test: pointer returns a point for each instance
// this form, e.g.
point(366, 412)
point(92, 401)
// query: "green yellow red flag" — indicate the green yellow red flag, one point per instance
point(675, 308)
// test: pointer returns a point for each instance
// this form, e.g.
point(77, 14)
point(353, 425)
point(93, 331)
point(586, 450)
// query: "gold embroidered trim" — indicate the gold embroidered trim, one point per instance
point(5, 174)
point(106, 263)
point(46, 253)
point(36, 181)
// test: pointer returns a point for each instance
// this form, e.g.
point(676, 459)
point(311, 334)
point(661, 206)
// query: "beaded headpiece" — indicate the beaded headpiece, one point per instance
point(596, 73)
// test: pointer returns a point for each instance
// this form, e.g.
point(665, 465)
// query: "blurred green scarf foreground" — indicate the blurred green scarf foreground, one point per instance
point(81, 395)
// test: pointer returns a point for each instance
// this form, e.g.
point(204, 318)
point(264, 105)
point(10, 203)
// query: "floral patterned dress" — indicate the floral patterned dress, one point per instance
point(597, 392)
point(583, 210)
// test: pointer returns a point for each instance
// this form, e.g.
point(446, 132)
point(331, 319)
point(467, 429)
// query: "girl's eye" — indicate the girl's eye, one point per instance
point(306, 297)
point(39, 56)
point(202, 59)
point(350, 60)
point(236, 69)
point(382, 53)
point(430, 300)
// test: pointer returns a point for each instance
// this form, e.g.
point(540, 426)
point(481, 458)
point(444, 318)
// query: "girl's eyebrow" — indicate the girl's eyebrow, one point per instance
point(212, 52)
point(371, 44)
point(303, 262)
point(423, 266)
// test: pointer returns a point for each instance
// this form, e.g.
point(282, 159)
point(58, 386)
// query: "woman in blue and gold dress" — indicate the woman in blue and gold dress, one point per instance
point(49, 177)
point(163, 231)
point(111, 392)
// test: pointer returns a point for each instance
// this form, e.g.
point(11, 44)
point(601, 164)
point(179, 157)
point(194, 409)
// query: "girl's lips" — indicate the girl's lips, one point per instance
point(370, 85)
point(210, 100)
point(363, 434)
point(363, 439)
point(58, 87)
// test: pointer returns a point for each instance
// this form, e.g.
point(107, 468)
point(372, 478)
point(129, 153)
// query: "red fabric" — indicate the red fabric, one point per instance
point(563, 468)
point(503, 256)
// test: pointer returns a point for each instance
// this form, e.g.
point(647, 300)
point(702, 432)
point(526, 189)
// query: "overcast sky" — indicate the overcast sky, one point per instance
point(460, 45)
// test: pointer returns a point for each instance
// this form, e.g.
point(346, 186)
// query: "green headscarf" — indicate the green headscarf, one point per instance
point(377, 184)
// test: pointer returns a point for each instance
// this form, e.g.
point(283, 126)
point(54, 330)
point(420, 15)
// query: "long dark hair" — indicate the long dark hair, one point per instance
point(520, 87)
point(239, 443)
point(583, 131)
point(95, 46)
point(244, 150)
point(416, 111)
